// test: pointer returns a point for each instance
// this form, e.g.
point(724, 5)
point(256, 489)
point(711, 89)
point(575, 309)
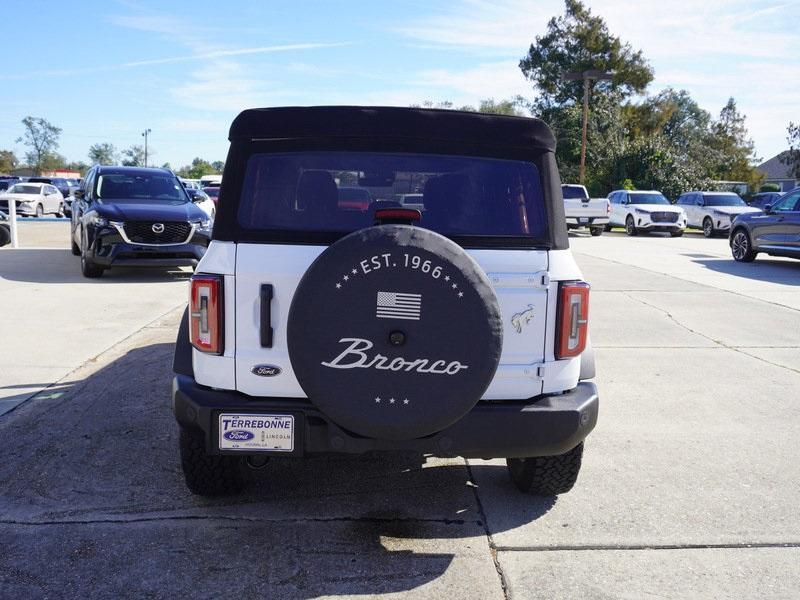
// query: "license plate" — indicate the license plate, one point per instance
point(583, 221)
point(256, 432)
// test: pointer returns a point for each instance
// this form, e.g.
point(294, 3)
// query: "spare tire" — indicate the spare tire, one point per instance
point(394, 332)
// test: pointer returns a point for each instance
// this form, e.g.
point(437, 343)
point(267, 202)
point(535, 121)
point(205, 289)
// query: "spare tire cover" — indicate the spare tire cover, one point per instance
point(394, 332)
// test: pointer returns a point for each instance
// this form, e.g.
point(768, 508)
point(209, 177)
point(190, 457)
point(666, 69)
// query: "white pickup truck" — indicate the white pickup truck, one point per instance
point(582, 211)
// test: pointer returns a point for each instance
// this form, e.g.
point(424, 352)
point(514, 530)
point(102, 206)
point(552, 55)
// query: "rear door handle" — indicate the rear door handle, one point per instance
point(266, 315)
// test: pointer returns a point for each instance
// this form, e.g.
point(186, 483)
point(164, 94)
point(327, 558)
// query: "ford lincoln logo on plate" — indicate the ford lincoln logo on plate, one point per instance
point(266, 370)
point(238, 436)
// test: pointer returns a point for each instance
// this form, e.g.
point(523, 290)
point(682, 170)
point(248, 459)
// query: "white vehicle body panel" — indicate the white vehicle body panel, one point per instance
point(48, 197)
point(721, 216)
point(525, 282)
point(579, 211)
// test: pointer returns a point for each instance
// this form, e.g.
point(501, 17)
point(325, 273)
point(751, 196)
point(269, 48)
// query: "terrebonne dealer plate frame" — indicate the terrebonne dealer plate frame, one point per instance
point(254, 432)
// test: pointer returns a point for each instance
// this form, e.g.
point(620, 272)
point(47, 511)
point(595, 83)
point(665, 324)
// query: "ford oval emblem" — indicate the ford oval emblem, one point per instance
point(237, 435)
point(266, 370)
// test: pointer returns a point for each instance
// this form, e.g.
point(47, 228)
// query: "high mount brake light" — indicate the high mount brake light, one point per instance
point(397, 215)
point(206, 324)
point(573, 319)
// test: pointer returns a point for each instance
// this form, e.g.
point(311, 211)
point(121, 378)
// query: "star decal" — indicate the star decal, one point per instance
point(447, 277)
point(460, 294)
point(391, 400)
point(405, 400)
point(454, 286)
point(338, 286)
point(354, 271)
point(346, 278)
point(378, 400)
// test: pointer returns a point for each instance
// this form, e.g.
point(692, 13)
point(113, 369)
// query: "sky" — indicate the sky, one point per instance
point(106, 70)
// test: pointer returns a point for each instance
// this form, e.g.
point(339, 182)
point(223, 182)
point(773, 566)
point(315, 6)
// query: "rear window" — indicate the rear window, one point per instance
point(338, 192)
point(571, 192)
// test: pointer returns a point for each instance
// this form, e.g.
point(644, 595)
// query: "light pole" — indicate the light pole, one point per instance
point(587, 76)
point(145, 133)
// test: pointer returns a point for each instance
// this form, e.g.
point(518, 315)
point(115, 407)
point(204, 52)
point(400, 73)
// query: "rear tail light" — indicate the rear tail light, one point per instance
point(573, 319)
point(608, 207)
point(206, 324)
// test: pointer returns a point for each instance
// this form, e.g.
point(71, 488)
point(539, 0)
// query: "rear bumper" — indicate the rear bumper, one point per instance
point(587, 221)
point(542, 426)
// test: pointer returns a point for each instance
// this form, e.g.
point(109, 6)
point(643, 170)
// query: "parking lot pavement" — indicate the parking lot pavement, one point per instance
point(52, 319)
point(688, 487)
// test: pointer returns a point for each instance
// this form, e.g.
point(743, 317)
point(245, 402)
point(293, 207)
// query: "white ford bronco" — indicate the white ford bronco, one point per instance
point(458, 327)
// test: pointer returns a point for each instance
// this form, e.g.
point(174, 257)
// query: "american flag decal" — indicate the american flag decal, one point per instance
point(394, 305)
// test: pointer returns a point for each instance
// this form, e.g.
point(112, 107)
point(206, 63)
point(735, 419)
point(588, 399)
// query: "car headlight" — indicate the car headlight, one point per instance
point(202, 224)
point(99, 221)
point(719, 213)
point(639, 211)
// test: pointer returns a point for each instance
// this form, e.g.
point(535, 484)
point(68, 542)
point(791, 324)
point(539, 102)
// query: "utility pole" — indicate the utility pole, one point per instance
point(145, 133)
point(587, 76)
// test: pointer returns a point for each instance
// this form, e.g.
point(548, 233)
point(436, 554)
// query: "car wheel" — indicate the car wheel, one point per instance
point(88, 268)
point(607, 227)
point(39, 211)
point(708, 227)
point(630, 227)
point(741, 247)
point(207, 474)
point(5, 235)
point(76, 250)
point(596, 231)
point(546, 475)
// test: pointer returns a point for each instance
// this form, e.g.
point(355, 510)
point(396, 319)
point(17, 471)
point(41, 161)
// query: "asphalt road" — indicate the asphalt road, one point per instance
point(689, 486)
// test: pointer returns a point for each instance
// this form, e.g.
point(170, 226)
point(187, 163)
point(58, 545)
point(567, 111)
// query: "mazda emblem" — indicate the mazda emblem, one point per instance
point(158, 228)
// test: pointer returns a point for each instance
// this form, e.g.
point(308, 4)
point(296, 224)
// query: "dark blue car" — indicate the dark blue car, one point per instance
point(776, 231)
point(761, 199)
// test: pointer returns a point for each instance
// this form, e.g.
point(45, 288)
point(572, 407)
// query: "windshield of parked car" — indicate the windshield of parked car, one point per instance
point(723, 200)
point(648, 198)
point(570, 192)
point(140, 187)
point(25, 189)
point(461, 196)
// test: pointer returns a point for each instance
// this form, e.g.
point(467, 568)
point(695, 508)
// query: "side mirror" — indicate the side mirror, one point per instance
point(768, 208)
point(79, 194)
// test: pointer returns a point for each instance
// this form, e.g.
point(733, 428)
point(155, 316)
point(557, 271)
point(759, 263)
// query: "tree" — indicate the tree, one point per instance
point(134, 156)
point(103, 154)
point(791, 158)
point(736, 151)
point(197, 169)
point(42, 137)
point(79, 166)
point(8, 161)
point(218, 166)
point(578, 41)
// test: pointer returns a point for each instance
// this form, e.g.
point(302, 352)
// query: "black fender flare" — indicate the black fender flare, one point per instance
point(182, 359)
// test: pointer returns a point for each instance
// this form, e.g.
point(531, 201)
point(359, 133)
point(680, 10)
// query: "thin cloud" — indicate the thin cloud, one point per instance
point(176, 59)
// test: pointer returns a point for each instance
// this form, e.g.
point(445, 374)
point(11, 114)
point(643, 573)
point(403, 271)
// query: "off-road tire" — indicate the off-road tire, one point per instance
point(206, 474)
point(630, 226)
point(596, 231)
point(546, 475)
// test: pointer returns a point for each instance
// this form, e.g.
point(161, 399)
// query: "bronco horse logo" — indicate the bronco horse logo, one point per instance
point(522, 318)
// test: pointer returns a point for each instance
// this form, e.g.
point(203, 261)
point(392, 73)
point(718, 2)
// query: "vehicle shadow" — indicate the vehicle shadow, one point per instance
point(56, 265)
point(98, 476)
point(783, 272)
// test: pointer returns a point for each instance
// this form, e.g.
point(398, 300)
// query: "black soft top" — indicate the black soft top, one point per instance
point(424, 124)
